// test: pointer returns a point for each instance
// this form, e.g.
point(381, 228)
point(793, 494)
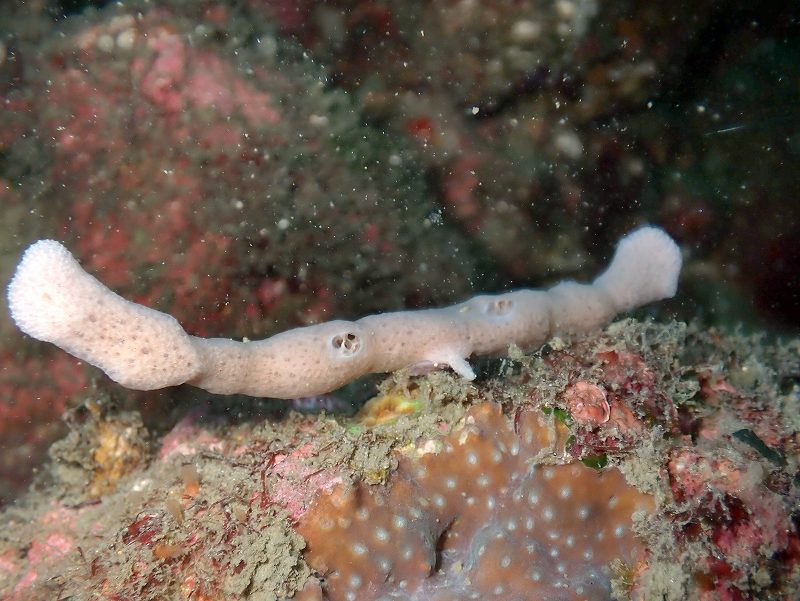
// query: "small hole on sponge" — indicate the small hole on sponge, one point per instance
point(500, 306)
point(348, 344)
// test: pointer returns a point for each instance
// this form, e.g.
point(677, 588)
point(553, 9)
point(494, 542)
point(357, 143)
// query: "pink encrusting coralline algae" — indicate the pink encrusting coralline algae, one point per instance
point(484, 513)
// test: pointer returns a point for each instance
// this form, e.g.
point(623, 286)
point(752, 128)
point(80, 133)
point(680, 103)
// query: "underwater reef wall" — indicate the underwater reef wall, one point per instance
point(384, 165)
point(342, 158)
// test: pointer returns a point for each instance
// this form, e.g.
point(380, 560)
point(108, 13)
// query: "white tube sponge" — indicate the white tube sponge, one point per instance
point(51, 298)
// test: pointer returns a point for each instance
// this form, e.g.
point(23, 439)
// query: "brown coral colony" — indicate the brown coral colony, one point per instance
point(483, 513)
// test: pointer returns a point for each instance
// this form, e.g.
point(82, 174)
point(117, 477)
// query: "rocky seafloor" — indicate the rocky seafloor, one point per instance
point(646, 461)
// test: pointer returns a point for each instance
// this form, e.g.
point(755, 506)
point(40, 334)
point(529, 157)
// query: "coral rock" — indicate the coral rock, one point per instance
point(587, 403)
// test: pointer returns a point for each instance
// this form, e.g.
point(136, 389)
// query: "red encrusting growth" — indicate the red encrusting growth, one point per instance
point(483, 513)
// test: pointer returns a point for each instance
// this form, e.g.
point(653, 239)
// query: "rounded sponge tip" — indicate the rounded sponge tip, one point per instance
point(52, 298)
point(645, 268)
point(40, 296)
